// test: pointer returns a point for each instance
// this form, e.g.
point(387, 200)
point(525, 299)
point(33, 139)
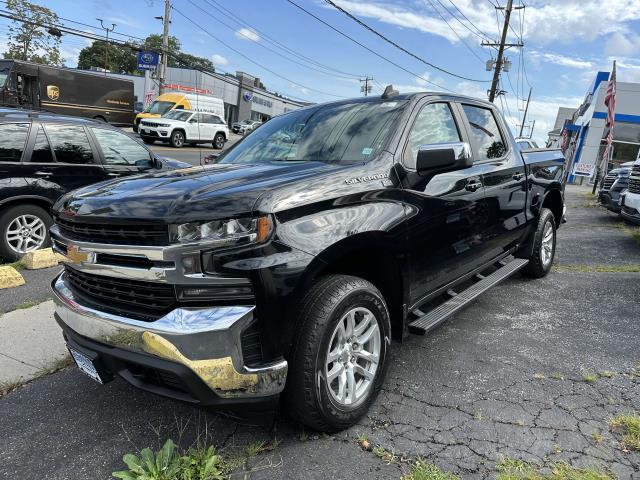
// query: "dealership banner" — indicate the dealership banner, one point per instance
point(583, 169)
point(147, 60)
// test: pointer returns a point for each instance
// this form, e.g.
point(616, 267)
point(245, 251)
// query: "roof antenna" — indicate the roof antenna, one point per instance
point(389, 92)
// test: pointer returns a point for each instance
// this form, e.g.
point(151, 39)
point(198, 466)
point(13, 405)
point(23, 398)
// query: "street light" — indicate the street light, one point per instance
point(106, 45)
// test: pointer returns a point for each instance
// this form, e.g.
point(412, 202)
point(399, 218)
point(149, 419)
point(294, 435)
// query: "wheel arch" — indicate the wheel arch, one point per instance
point(553, 201)
point(41, 202)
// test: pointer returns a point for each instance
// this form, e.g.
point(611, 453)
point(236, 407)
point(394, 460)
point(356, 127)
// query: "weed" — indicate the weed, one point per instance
point(422, 470)
point(385, 455)
point(509, 469)
point(57, 365)
point(632, 268)
point(597, 437)
point(253, 449)
point(557, 376)
point(27, 304)
point(607, 374)
point(611, 401)
point(633, 232)
point(630, 426)
point(556, 448)
point(18, 265)
point(363, 440)
point(589, 377)
point(7, 387)
point(539, 376)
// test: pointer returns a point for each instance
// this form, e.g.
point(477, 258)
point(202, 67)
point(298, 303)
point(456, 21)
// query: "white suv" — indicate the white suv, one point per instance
point(185, 126)
point(630, 200)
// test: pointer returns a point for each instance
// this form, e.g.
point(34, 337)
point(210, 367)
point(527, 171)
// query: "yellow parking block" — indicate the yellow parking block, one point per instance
point(10, 277)
point(42, 258)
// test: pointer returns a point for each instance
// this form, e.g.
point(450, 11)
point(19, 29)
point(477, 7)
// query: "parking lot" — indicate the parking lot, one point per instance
point(533, 370)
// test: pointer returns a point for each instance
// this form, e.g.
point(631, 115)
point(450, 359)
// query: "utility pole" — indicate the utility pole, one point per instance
point(526, 109)
point(532, 127)
point(366, 88)
point(165, 45)
point(106, 45)
point(501, 46)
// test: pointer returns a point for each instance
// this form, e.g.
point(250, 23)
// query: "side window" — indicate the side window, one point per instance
point(118, 148)
point(433, 124)
point(70, 144)
point(13, 136)
point(206, 118)
point(220, 121)
point(485, 134)
point(41, 149)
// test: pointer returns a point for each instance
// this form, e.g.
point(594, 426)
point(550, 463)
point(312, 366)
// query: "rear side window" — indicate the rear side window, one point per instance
point(118, 148)
point(13, 137)
point(70, 144)
point(41, 149)
point(485, 134)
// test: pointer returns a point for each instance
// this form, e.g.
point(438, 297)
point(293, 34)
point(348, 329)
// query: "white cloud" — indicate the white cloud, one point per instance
point(562, 60)
point(219, 60)
point(623, 45)
point(247, 34)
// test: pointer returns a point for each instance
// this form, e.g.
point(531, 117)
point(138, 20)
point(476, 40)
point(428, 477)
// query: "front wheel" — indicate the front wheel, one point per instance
point(23, 228)
point(544, 246)
point(337, 365)
point(218, 141)
point(177, 139)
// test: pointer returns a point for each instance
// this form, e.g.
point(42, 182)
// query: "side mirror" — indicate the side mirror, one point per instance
point(145, 164)
point(443, 157)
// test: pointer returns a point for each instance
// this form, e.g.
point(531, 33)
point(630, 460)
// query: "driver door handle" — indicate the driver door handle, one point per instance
point(472, 185)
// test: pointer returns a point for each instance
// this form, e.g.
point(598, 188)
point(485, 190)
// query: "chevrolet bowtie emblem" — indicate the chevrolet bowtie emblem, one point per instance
point(76, 256)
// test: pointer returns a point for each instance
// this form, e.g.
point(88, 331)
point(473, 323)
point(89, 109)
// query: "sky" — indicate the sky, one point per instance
point(565, 44)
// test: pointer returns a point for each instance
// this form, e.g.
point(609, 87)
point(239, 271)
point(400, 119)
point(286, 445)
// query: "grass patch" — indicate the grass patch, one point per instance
point(385, 455)
point(363, 440)
point(509, 469)
point(539, 376)
point(27, 304)
point(8, 387)
point(557, 376)
point(422, 470)
point(18, 265)
point(629, 425)
point(607, 374)
point(633, 232)
point(597, 268)
point(589, 377)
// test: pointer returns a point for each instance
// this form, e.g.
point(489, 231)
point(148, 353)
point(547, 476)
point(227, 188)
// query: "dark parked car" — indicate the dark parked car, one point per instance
point(616, 182)
point(289, 266)
point(43, 156)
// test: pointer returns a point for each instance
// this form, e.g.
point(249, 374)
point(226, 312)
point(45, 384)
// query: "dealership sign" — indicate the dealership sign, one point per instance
point(147, 60)
point(583, 169)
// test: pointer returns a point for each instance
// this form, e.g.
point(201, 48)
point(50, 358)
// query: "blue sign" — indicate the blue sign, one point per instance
point(147, 60)
point(247, 96)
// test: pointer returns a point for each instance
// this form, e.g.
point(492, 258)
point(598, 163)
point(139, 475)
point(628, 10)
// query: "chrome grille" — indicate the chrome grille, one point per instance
point(608, 181)
point(634, 183)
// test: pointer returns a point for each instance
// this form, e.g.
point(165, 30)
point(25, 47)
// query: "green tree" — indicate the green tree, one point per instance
point(29, 41)
point(121, 59)
point(186, 60)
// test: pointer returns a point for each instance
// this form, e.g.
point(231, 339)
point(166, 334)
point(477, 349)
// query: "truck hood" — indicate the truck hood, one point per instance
point(189, 194)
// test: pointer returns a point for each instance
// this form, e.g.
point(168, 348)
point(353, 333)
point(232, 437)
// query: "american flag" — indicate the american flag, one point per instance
point(564, 139)
point(610, 103)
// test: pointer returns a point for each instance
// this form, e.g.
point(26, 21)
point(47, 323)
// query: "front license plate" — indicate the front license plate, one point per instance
point(144, 130)
point(85, 365)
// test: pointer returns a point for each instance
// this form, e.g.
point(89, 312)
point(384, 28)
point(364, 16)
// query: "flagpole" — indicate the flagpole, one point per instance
point(609, 122)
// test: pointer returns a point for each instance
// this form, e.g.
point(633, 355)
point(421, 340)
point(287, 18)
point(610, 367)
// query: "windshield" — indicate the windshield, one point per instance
point(5, 69)
point(177, 115)
point(159, 107)
point(344, 133)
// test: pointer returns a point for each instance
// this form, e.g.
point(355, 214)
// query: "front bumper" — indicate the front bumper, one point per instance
point(631, 207)
point(201, 346)
point(609, 200)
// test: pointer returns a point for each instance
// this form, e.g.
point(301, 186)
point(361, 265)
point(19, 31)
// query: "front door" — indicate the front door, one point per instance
point(193, 128)
point(503, 176)
point(207, 126)
point(445, 218)
point(121, 154)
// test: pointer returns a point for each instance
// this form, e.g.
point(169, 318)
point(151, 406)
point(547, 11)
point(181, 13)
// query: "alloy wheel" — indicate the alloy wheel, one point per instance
point(26, 233)
point(353, 356)
point(546, 251)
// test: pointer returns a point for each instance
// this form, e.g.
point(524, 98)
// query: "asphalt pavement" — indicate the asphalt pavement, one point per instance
point(532, 370)
point(191, 154)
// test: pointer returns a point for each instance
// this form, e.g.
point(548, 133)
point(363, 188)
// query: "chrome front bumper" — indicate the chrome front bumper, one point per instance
point(206, 340)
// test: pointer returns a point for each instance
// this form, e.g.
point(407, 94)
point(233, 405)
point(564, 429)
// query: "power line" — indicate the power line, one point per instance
point(250, 59)
point(454, 31)
point(368, 49)
point(482, 34)
point(265, 46)
point(275, 42)
point(399, 47)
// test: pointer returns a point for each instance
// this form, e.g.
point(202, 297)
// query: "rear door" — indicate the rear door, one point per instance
point(503, 176)
point(444, 212)
point(121, 155)
point(62, 159)
point(13, 138)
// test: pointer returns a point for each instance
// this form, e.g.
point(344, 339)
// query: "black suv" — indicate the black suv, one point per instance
point(43, 156)
point(616, 182)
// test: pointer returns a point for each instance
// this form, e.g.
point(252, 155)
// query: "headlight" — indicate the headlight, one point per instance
point(162, 125)
point(236, 231)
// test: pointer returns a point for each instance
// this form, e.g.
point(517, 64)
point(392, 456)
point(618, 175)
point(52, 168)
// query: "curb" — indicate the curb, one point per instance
point(43, 258)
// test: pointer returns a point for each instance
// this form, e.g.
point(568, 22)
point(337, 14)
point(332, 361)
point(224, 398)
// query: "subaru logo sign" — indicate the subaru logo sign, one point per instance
point(247, 96)
point(147, 60)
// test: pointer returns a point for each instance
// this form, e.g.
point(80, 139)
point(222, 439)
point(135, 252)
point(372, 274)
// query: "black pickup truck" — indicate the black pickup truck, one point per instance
point(284, 271)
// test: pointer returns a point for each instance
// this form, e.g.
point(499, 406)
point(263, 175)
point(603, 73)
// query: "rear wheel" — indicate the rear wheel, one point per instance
point(218, 141)
point(338, 362)
point(544, 246)
point(23, 228)
point(100, 119)
point(177, 139)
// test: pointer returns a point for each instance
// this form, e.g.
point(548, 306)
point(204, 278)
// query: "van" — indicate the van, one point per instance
point(180, 101)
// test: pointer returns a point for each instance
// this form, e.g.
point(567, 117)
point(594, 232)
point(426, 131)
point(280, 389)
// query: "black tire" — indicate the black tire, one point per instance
point(218, 141)
point(148, 140)
point(537, 267)
point(307, 394)
point(7, 253)
point(177, 139)
point(100, 119)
